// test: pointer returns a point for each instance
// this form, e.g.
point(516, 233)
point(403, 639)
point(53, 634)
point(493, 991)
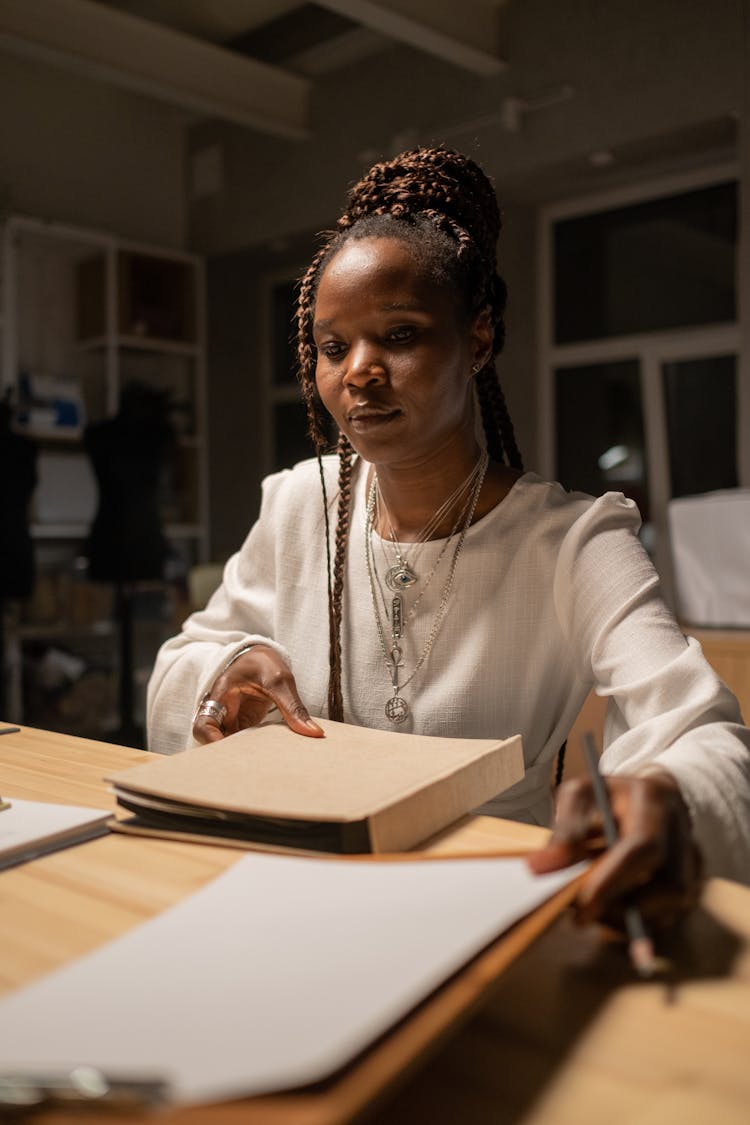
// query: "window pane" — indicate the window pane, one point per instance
point(291, 441)
point(600, 437)
point(283, 343)
point(662, 264)
point(700, 403)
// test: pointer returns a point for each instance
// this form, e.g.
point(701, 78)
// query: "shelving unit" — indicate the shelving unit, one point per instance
point(83, 314)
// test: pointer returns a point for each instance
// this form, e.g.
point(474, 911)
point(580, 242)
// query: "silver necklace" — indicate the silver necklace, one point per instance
point(402, 575)
point(457, 523)
point(396, 707)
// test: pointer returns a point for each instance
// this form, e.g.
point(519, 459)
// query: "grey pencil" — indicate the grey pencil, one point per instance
point(640, 945)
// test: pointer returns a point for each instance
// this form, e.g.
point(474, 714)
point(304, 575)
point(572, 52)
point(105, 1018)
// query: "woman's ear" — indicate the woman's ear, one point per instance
point(482, 334)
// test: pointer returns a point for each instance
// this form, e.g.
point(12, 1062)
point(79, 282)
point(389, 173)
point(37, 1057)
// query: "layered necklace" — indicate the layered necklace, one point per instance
point(402, 576)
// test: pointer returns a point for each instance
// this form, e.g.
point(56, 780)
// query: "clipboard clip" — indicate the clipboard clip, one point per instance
point(78, 1088)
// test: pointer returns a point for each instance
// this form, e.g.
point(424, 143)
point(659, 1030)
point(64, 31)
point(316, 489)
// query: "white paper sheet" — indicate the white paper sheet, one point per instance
point(272, 976)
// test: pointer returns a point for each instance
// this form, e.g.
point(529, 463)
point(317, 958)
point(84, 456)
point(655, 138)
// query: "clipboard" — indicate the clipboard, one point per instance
point(384, 1065)
point(345, 1092)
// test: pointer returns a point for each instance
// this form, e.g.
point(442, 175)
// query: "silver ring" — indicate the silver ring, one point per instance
point(212, 709)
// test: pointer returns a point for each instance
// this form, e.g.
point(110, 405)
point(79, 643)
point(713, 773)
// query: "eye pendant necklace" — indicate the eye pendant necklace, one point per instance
point(397, 602)
point(396, 707)
point(402, 575)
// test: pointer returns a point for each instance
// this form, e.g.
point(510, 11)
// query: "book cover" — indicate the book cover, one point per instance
point(356, 790)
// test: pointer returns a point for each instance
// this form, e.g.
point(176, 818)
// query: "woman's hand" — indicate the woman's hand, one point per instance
point(249, 688)
point(655, 863)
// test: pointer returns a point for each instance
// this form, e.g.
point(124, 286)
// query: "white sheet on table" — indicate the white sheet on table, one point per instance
point(273, 975)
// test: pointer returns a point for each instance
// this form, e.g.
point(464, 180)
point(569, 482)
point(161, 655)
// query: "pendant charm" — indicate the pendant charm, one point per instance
point(400, 577)
point(396, 709)
point(397, 617)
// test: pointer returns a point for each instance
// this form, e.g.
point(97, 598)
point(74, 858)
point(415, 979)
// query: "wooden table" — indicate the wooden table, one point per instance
point(566, 1036)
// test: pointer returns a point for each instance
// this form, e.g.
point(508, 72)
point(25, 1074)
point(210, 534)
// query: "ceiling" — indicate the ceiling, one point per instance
point(253, 62)
point(307, 39)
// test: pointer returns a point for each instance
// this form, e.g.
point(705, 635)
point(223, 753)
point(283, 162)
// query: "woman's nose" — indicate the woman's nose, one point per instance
point(365, 366)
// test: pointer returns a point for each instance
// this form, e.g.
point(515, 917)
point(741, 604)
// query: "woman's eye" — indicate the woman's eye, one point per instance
point(331, 350)
point(402, 333)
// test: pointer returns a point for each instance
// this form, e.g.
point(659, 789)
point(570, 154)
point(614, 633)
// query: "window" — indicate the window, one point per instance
point(639, 383)
point(286, 436)
point(665, 263)
point(601, 445)
point(700, 406)
point(284, 351)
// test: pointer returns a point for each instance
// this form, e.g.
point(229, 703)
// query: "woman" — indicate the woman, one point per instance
point(457, 594)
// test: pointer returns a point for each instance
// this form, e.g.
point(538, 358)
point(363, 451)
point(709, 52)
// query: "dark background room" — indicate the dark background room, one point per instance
point(165, 167)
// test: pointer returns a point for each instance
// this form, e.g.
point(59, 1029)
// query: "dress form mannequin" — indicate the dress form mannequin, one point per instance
point(127, 542)
point(128, 452)
point(18, 479)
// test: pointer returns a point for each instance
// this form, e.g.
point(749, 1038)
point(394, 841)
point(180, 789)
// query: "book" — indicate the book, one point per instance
point(355, 791)
point(32, 828)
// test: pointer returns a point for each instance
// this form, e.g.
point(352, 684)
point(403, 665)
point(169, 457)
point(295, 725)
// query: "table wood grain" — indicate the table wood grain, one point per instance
point(563, 1035)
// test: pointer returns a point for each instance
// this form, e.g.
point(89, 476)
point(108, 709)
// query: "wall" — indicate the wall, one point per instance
point(234, 399)
point(661, 92)
point(632, 78)
point(87, 153)
point(517, 364)
point(743, 442)
point(652, 82)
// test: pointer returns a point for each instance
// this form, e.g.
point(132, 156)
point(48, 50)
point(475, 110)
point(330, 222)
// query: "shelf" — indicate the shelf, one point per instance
point(55, 440)
point(63, 631)
point(81, 530)
point(74, 442)
point(59, 530)
point(110, 315)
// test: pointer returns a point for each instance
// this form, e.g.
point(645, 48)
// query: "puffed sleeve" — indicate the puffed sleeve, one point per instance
point(241, 612)
point(666, 706)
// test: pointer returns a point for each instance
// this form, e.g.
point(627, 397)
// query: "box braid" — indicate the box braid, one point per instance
point(442, 204)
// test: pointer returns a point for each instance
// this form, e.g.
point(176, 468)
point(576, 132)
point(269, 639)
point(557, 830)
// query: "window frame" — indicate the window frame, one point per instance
point(273, 394)
point(650, 349)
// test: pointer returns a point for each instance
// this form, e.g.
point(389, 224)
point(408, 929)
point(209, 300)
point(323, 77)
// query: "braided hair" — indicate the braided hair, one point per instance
point(442, 204)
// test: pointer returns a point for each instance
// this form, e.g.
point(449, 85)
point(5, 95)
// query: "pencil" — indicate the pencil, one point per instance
point(640, 945)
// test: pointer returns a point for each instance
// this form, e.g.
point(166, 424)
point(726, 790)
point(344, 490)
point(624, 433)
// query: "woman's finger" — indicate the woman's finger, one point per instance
point(248, 688)
point(577, 832)
point(654, 863)
point(207, 729)
point(621, 873)
point(291, 708)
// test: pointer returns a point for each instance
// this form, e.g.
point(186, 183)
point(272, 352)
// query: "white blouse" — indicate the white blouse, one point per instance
point(552, 594)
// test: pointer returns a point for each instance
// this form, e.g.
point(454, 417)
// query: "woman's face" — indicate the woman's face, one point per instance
point(394, 353)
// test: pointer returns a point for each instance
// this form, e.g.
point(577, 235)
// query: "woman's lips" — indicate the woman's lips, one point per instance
point(370, 419)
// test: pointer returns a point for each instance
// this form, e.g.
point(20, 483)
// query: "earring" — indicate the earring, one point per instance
point(477, 367)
